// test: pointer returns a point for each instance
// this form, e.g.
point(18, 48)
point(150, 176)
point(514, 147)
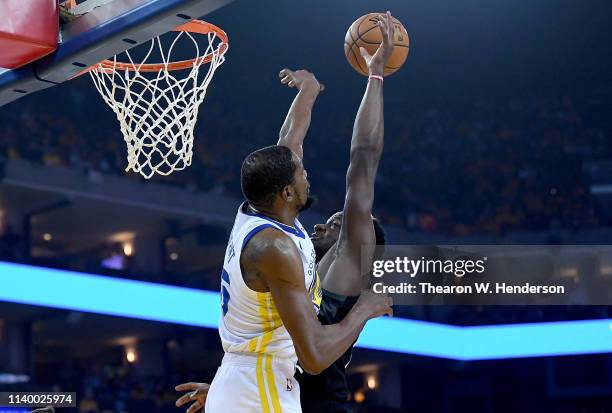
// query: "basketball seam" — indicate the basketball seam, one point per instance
point(373, 27)
point(353, 52)
point(394, 45)
point(359, 21)
point(361, 34)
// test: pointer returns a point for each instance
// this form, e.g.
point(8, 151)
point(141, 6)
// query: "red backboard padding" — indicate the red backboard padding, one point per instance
point(28, 31)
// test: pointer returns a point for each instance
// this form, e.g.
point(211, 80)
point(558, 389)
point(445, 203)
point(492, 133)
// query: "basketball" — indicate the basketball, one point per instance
point(364, 32)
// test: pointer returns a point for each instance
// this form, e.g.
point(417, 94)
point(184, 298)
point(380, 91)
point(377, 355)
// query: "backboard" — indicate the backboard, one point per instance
point(100, 29)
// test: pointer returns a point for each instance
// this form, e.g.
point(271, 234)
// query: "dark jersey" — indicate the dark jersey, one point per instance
point(328, 392)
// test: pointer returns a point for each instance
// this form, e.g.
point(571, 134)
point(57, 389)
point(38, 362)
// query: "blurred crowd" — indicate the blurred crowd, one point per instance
point(481, 167)
point(491, 167)
point(119, 388)
point(107, 388)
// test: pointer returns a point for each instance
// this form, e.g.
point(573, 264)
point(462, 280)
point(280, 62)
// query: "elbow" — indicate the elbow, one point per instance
point(311, 362)
point(311, 366)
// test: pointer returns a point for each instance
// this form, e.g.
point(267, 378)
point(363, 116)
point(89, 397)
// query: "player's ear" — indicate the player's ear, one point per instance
point(287, 193)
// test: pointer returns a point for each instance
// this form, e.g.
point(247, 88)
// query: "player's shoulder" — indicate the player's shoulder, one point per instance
point(273, 255)
point(269, 243)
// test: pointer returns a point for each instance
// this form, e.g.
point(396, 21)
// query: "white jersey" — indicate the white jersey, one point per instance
point(250, 323)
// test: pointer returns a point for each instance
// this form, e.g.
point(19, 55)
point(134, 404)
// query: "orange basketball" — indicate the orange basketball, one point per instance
point(364, 32)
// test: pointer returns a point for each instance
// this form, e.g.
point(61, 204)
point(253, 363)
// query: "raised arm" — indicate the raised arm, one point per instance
point(357, 228)
point(276, 260)
point(297, 122)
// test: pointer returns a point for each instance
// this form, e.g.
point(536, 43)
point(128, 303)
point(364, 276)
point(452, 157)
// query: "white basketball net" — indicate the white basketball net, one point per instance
point(158, 111)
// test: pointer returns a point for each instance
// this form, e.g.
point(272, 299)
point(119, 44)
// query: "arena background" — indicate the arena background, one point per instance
point(497, 132)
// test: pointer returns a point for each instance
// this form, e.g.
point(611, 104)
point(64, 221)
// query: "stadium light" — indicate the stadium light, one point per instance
point(130, 355)
point(69, 290)
point(128, 249)
point(371, 382)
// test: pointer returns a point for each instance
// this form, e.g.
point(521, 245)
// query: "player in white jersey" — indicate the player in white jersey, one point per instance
point(268, 322)
point(244, 310)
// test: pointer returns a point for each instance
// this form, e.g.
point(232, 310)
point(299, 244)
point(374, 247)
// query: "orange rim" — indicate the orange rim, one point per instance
point(194, 26)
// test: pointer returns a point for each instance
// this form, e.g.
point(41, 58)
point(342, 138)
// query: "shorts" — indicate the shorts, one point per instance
point(328, 392)
point(247, 383)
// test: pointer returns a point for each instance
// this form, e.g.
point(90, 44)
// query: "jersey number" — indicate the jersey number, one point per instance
point(225, 297)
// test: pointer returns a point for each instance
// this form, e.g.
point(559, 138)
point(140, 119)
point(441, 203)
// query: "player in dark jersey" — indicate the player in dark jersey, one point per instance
point(328, 392)
point(340, 268)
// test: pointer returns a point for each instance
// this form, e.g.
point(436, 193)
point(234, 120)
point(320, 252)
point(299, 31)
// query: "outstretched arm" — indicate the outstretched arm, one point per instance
point(366, 147)
point(276, 260)
point(297, 122)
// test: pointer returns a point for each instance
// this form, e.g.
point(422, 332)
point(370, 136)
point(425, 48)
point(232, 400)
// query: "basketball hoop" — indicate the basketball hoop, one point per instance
point(157, 111)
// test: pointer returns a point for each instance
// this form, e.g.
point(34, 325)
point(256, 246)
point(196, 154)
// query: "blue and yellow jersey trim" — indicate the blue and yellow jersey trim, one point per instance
point(316, 295)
